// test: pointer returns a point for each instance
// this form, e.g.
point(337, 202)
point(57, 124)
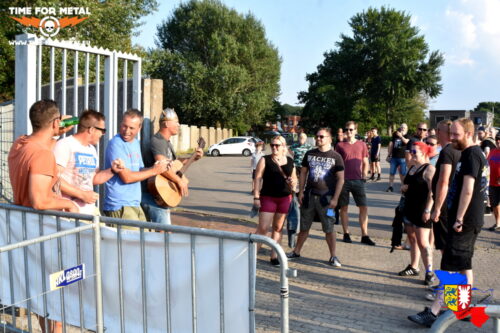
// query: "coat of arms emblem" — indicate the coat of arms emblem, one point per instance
point(457, 297)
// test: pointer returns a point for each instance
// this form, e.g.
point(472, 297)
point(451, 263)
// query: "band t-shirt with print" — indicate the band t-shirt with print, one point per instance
point(80, 166)
point(322, 168)
point(472, 163)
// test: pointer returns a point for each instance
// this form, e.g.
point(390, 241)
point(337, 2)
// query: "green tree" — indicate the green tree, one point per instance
point(111, 25)
point(384, 65)
point(490, 107)
point(217, 65)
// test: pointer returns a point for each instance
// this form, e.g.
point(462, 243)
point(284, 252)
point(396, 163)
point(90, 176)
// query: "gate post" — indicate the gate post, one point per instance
point(25, 86)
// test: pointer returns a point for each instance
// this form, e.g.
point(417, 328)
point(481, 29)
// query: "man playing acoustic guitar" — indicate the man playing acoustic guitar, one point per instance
point(160, 149)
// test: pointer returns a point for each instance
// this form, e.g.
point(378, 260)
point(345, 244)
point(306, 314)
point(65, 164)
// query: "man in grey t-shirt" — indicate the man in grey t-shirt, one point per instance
point(161, 148)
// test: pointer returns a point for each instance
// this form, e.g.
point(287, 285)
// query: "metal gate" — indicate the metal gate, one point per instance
point(77, 87)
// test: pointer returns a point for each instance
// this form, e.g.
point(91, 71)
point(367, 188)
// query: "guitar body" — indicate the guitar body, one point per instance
point(164, 191)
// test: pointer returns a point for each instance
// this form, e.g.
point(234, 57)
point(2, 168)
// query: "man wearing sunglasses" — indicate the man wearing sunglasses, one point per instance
point(420, 135)
point(77, 161)
point(355, 155)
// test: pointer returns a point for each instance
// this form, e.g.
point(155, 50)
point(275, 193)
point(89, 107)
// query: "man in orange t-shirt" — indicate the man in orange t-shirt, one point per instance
point(32, 166)
point(33, 170)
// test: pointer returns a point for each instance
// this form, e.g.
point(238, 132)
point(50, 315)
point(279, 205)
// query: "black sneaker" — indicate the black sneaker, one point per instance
point(372, 177)
point(429, 278)
point(487, 211)
point(409, 271)
point(275, 262)
point(366, 240)
point(494, 228)
point(424, 318)
point(378, 178)
point(347, 238)
point(293, 255)
point(390, 189)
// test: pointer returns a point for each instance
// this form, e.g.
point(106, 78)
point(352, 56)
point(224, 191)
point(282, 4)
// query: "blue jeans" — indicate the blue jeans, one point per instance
point(154, 212)
point(395, 162)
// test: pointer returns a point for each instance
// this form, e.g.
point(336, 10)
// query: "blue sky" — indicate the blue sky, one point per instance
point(467, 32)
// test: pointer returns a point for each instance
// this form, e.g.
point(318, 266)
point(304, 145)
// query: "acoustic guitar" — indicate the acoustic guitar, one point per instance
point(165, 192)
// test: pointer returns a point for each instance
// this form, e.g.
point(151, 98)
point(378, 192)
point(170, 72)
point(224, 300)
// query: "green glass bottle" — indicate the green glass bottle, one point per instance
point(69, 122)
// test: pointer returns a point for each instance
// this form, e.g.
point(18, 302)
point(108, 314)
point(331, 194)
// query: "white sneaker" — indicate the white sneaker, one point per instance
point(334, 261)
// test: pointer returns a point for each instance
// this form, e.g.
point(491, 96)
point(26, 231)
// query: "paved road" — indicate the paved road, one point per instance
point(365, 295)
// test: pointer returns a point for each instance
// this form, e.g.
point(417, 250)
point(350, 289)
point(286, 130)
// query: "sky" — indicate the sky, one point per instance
point(467, 32)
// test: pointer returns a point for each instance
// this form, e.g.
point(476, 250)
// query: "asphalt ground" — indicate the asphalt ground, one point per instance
point(365, 294)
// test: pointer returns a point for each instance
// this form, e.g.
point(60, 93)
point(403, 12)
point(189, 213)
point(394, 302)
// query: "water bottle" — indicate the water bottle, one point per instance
point(69, 122)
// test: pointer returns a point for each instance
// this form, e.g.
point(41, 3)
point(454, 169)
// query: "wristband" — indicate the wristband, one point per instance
point(427, 211)
point(256, 198)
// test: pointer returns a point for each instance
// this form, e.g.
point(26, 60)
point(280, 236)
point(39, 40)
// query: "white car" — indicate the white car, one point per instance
point(244, 145)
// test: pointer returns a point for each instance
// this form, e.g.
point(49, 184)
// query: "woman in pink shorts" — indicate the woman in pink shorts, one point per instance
point(274, 180)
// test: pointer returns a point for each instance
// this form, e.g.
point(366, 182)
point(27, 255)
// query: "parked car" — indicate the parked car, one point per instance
point(244, 145)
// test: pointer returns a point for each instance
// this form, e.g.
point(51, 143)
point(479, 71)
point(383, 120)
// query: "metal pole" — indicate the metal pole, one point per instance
point(98, 277)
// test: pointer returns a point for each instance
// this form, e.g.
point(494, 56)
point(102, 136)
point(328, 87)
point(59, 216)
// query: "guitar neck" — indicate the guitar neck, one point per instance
point(188, 163)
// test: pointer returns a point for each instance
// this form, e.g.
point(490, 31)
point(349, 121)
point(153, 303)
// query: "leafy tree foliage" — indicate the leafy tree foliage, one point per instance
point(373, 75)
point(110, 25)
point(490, 107)
point(216, 64)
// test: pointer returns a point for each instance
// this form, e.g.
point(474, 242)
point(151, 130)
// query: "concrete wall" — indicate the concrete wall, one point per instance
point(212, 139)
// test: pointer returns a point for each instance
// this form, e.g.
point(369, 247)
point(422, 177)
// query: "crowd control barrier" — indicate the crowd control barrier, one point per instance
point(79, 271)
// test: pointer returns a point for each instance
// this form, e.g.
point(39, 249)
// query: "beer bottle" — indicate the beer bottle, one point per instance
point(69, 122)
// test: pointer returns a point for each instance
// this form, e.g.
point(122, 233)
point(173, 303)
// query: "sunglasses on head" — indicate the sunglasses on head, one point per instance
point(321, 136)
point(422, 129)
point(275, 145)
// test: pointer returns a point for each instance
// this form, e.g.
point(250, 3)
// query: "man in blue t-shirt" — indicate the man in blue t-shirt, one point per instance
point(123, 190)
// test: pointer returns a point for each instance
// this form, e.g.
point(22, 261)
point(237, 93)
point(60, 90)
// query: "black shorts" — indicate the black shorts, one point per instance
point(440, 229)
point(494, 195)
point(459, 249)
point(374, 158)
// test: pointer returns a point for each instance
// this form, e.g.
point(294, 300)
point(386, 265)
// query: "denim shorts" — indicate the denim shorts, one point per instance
point(395, 162)
point(357, 188)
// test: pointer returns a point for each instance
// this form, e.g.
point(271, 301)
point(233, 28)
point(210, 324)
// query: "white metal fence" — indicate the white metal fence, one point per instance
point(177, 280)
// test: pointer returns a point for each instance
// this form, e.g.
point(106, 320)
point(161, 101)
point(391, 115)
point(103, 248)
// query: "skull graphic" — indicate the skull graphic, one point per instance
point(49, 26)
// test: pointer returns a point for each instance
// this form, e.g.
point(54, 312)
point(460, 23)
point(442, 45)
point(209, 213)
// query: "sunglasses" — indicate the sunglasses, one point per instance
point(322, 136)
point(413, 151)
point(349, 129)
point(103, 130)
point(431, 144)
point(275, 145)
point(422, 129)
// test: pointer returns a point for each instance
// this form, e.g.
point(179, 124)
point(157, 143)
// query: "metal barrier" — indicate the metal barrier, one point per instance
point(159, 254)
point(24, 291)
point(448, 318)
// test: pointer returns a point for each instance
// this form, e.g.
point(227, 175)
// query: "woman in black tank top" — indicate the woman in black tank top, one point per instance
point(416, 213)
point(275, 179)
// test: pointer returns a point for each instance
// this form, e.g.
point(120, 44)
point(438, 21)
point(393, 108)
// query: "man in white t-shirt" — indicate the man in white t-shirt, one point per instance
point(77, 161)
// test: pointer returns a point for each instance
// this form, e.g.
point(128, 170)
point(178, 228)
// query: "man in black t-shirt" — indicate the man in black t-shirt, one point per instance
point(396, 155)
point(419, 135)
point(443, 177)
point(465, 214)
point(487, 140)
point(320, 183)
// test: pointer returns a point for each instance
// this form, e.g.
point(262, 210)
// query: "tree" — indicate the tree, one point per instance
point(490, 107)
point(217, 65)
point(111, 25)
point(383, 65)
